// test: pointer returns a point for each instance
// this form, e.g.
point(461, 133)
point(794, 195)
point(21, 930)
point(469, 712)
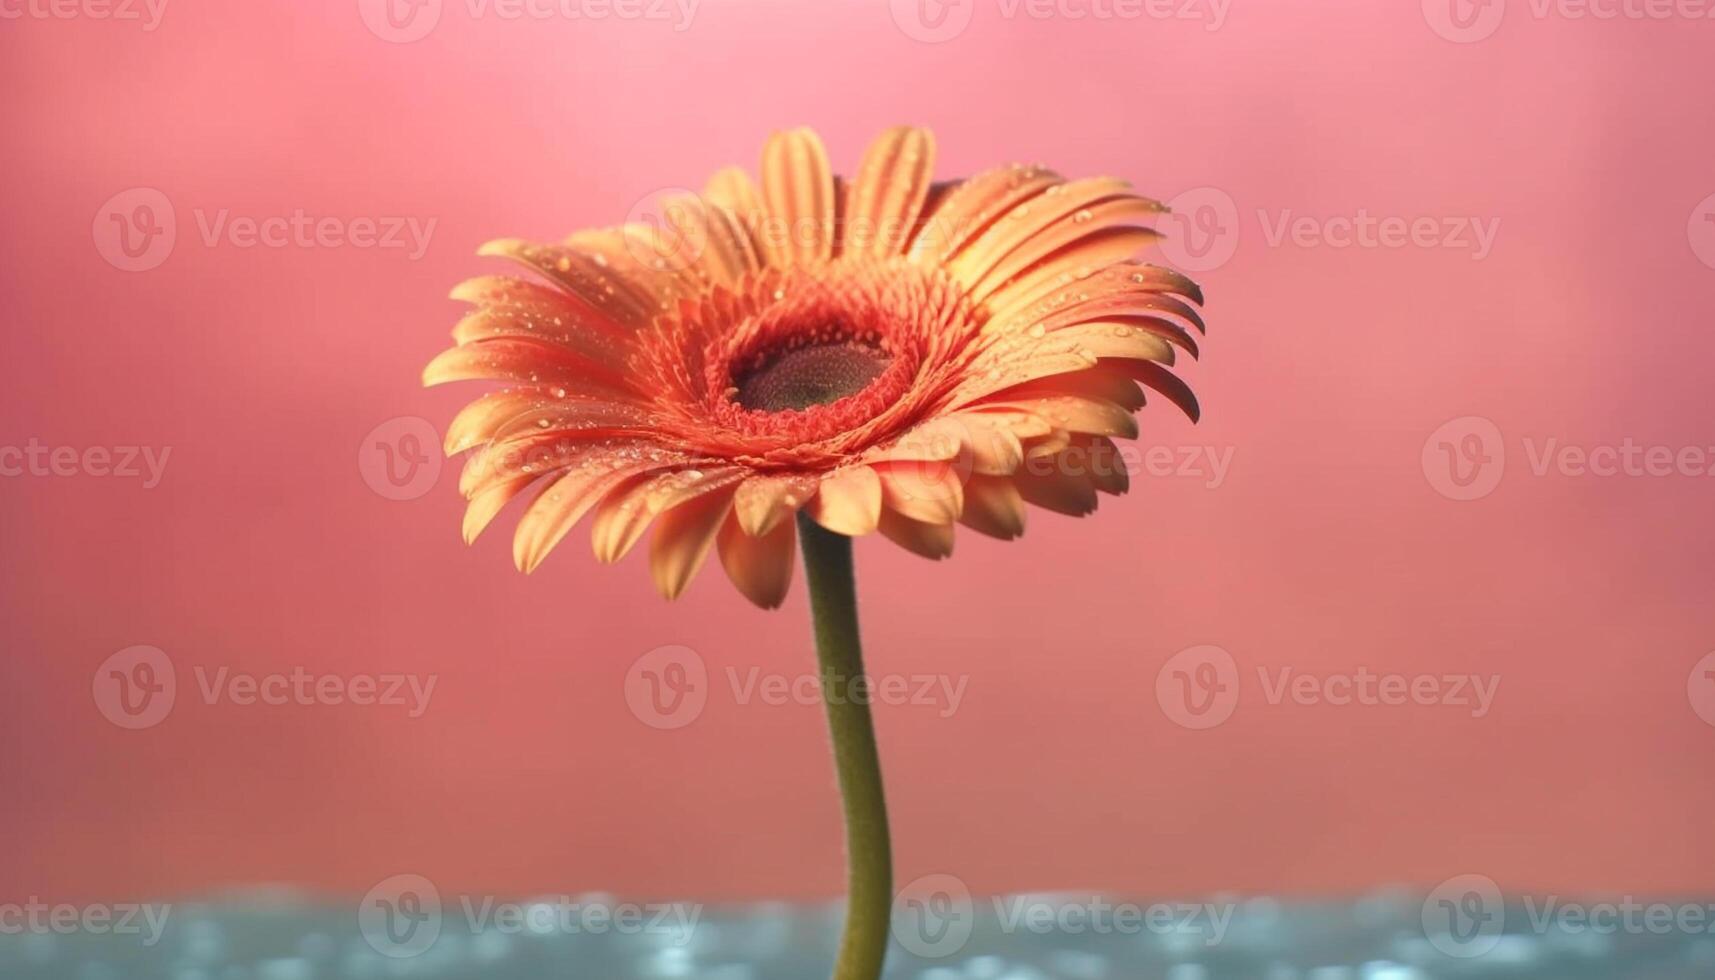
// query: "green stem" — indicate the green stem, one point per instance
point(869, 853)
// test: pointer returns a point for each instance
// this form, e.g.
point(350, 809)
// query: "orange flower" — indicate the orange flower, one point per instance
point(884, 353)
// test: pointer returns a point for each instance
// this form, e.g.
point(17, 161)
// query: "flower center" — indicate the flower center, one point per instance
point(810, 374)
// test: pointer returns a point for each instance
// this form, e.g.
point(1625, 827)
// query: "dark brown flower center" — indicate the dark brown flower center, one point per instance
point(811, 374)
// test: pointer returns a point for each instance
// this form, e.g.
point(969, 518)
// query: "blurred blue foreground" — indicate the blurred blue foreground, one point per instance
point(1388, 936)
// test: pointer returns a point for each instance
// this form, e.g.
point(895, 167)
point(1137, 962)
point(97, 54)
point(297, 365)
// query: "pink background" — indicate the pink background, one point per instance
point(1326, 548)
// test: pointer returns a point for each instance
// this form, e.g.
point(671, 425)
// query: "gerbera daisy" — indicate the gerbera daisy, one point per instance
point(883, 353)
point(819, 358)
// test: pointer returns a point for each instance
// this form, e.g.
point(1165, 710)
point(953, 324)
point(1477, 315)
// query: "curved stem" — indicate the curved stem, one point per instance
point(845, 692)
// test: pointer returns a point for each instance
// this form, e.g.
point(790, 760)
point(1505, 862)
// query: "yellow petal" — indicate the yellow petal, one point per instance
point(760, 566)
point(625, 513)
point(683, 537)
point(482, 509)
point(764, 501)
point(993, 507)
point(848, 501)
point(888, 192)
point(1057, 489)
point(1074, 414)
point(559, 507)
point(973, 206)
point(931, 492)
point(933, 541)
point(798, 187)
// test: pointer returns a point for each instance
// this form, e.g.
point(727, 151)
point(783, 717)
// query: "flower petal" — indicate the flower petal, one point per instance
point(848, 501)
point(527, 361)
point(1155, 376)
point(1103, 463)
point(932, 541)
point(993, 506)
point(1124, 212)
point(1058, 489)
point(484, 506)
point(798, 186)
point(888, 192)
point(931, 492)
point(1109, 248)
point(683, 537)
point(624, 514)
point(1026, 219)
point(559, 507)
point(582, 275)
point(972, 207)
point(1087, 415)
point(764, 501)
point(760, 566)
